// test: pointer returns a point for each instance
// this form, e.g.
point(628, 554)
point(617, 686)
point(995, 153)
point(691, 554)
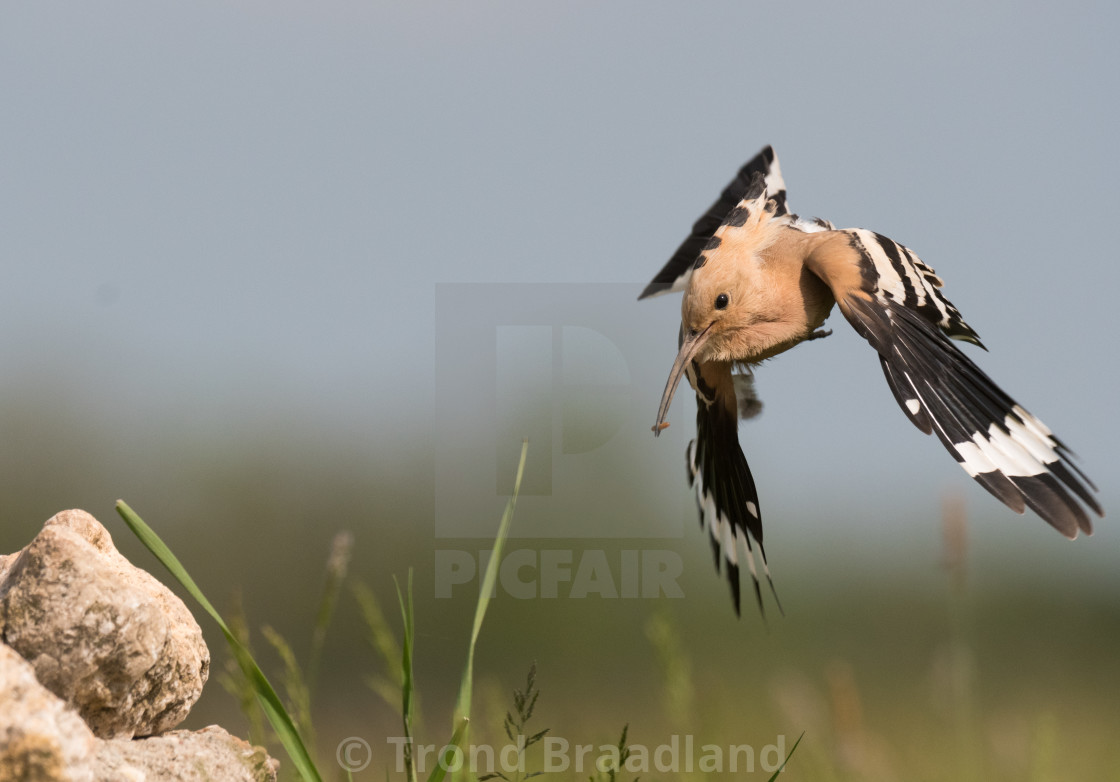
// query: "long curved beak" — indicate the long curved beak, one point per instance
point(691, 342)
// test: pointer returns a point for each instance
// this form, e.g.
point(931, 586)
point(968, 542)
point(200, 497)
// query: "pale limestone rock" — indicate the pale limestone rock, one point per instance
point(41, 738)
point(100, 633)
point(184, 756)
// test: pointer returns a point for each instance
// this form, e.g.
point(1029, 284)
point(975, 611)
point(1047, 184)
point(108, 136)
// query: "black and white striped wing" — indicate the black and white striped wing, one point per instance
point(899, 309)
point(717, 470)
point(760, 173)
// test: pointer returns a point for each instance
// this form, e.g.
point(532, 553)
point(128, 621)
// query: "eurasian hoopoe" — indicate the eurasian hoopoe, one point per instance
point(758, 280)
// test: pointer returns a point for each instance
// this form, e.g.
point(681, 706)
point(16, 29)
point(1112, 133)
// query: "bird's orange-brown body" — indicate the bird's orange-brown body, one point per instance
point(774, 301)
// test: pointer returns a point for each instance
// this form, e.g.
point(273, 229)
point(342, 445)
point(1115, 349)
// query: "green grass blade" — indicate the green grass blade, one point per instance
point(406, 675)
point(782, 767)
point(232, 680)
point(381, 638)
point(294, 683)
point(440, 771)
point(463, 707)
point(270, 702)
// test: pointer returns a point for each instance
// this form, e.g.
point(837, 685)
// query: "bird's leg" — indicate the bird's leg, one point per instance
point(819, 334)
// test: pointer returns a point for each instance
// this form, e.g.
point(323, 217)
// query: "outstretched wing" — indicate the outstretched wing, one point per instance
point(718, 471)
point(761, 173)
point(895, 302)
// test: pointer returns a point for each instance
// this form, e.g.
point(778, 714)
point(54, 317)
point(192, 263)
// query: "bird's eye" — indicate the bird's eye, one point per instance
point(721, 301)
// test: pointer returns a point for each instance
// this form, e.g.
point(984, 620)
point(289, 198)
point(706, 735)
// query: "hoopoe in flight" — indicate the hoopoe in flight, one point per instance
point(758, 280)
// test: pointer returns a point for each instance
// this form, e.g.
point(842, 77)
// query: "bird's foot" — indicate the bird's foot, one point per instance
point(819, 334)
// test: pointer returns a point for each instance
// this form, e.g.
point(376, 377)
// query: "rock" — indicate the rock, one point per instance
point(101, 634)
point(41, 738)
point(184, 756)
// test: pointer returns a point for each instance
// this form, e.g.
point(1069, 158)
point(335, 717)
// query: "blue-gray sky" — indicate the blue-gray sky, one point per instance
point(217, 212)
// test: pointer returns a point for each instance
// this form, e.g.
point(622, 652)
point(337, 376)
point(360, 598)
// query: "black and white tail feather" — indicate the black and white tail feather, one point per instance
point(726, 497)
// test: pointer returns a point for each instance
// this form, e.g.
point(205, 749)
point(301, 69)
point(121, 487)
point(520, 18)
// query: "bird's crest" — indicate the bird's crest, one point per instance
point(760, 177)
point(743, 234)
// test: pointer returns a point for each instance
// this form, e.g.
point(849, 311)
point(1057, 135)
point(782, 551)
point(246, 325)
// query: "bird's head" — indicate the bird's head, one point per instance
point(721, 302)
point(710, 312)
point(713, 308)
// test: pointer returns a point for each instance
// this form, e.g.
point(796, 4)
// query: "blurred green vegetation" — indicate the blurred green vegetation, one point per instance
point(895, 667)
